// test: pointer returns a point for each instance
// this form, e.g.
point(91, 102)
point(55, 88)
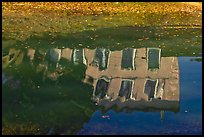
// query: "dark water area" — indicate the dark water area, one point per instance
point(111, 85)
point(187, 121)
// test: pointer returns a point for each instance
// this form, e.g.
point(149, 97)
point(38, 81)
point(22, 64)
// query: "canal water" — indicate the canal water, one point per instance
point(146, 81)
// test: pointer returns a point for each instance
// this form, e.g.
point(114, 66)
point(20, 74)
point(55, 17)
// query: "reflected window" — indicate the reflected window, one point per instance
point(128, 59)
point(78, 56)
point(101, 88)
point(126, 88)
point(154, 88)
point(101, 58)
point(154, 55)
point(150, 88)
point(54, 55)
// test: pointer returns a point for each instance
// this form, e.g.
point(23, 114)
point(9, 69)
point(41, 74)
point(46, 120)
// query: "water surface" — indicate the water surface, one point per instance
point(51, 85)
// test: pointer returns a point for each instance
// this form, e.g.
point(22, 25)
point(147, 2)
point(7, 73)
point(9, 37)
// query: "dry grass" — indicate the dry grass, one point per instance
point(27, 8)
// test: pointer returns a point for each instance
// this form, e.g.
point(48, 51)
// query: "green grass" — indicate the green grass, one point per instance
point(18, 27)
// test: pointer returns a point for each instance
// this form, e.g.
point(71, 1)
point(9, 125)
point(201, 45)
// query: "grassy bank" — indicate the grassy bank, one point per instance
point(23, 19)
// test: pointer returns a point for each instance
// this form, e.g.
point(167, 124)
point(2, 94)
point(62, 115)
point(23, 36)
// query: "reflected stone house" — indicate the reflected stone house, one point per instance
point(134, 78)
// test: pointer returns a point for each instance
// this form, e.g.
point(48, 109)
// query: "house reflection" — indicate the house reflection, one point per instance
point(130, 78)
point(135, 78)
